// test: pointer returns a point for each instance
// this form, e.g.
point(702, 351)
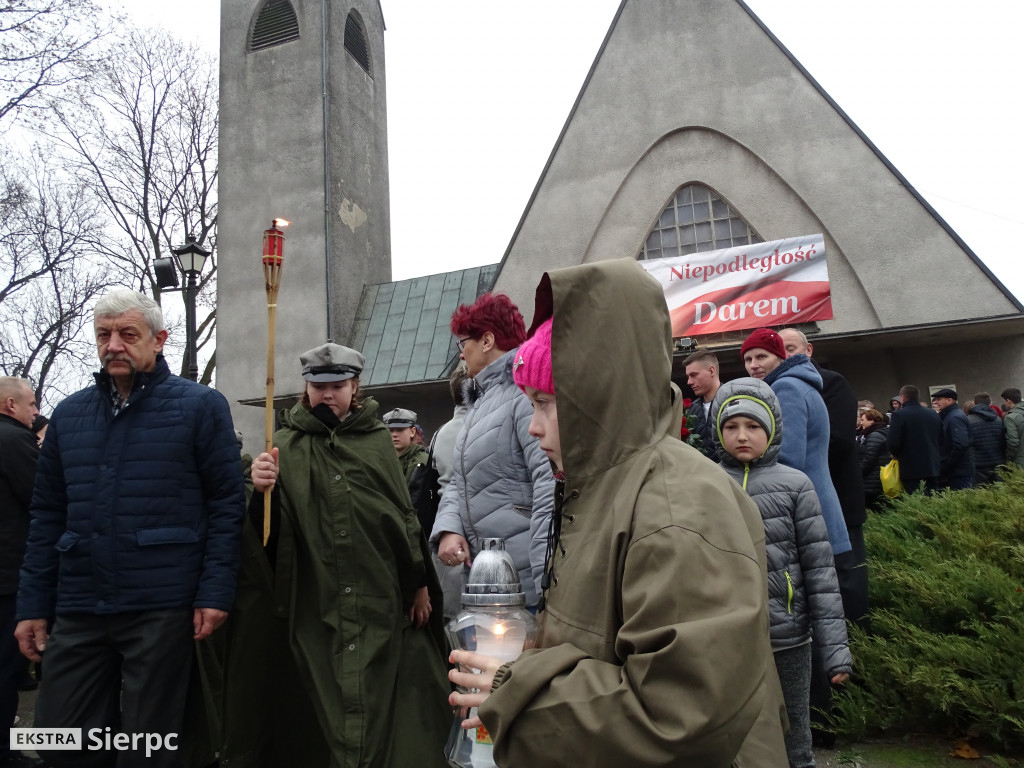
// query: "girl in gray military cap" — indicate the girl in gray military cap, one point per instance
point(352, 565)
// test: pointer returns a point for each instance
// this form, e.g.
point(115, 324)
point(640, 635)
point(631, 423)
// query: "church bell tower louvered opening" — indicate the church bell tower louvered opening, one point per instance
point(275, 24)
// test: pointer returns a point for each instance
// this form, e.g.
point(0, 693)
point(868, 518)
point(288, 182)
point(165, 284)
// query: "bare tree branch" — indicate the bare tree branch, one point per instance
point(45, 44)
point(48, 275)
point(143, 129)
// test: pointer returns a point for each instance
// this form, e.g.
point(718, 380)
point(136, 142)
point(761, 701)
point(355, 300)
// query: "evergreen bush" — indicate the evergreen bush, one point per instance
point(945, 652)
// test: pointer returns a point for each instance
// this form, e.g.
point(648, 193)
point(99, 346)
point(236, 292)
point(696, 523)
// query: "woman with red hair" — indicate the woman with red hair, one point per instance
point(502, 486)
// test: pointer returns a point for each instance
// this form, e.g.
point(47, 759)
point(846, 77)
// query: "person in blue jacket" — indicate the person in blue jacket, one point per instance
point(133, 545)
point(805, 444)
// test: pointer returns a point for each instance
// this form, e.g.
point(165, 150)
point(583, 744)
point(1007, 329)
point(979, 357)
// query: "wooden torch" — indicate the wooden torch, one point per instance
point(273, 263)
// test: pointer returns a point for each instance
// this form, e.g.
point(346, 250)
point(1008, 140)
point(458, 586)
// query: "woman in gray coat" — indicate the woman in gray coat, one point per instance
point(502, 486)
point(804, 604)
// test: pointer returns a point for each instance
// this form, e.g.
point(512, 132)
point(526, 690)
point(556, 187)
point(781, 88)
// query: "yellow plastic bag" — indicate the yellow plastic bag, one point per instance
point(890, 473)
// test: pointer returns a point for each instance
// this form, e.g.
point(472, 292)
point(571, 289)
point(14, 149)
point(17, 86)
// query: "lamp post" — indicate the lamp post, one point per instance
point(191, 258)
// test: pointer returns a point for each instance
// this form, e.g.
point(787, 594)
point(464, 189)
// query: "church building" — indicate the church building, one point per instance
point(740, 146)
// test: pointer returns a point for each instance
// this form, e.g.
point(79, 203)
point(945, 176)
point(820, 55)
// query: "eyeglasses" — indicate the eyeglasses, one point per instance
point(462, 343)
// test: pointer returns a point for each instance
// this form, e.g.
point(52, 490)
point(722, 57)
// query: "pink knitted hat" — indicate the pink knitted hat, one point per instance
point(532, 364)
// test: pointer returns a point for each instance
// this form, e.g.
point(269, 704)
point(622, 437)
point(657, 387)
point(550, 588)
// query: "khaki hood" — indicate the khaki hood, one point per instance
point(612, 355)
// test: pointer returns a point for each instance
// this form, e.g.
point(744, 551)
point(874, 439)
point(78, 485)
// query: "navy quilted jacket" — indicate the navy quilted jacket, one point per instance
point(956, 456)
point(139, 511)
point(987, 437)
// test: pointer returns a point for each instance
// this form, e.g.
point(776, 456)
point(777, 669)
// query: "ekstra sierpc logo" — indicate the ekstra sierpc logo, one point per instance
point(95, 739)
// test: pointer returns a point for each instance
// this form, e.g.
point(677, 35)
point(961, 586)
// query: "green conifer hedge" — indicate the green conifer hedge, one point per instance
point(945, 653)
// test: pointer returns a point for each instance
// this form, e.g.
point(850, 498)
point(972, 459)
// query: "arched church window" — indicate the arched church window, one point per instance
point(275, 23)
point(355, 40)
point(696, 219)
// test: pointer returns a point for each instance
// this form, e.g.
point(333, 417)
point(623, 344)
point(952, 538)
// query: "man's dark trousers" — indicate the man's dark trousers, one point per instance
point(128, 671)
point(960, 483)
point(12, 664)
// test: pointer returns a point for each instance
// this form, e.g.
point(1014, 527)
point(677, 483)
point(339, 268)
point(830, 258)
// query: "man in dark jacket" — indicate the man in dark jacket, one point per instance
point(844, 469)
point(18, 453)
point(915, 434)
point(702, 376)
point(987, 439)
point(133, 546)
point(956, 458)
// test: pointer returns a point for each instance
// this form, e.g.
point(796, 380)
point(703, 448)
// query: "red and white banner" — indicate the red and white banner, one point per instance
point(736, 289)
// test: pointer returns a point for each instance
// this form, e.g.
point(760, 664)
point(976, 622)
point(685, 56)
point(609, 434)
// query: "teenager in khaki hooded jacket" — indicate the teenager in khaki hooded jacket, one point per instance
point(654, 646)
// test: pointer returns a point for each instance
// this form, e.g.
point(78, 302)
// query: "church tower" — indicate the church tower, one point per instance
point(303, 136)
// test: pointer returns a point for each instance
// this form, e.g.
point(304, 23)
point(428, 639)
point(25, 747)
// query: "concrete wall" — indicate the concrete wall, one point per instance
point(981, 366)
point(272, 163)
point(695, 91)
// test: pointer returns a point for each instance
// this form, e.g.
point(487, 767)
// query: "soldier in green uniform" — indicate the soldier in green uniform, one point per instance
point(401, 423)
point(353, 575)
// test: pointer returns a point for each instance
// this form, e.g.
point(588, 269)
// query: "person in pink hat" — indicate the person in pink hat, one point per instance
point(654, 642)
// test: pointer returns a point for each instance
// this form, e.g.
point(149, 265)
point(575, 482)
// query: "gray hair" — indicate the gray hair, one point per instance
point(122, 300)
point(799, 334)
point(13, 386)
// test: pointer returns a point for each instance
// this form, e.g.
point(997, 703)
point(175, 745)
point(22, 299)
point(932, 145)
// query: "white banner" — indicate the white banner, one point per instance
point(734, 289)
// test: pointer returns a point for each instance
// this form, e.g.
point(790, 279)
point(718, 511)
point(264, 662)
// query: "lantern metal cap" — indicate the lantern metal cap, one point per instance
point(494, 578)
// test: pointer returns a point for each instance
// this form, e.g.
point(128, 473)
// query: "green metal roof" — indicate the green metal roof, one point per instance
point(403, 328)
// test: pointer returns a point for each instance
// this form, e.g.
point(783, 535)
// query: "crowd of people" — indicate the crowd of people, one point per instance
point(693, 604)
point(944, 447)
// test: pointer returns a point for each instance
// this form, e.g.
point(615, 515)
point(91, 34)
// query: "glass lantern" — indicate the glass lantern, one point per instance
point(493, 622)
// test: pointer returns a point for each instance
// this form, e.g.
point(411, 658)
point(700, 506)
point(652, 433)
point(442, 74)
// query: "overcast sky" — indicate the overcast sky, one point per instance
point(478, 91)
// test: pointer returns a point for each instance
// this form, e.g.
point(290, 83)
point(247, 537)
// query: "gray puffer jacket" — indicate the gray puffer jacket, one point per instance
point(502, 486)
point(803, 591)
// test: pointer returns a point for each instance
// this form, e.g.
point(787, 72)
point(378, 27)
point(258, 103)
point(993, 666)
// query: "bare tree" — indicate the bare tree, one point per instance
point(143, 130)
point(43, 45)
point(48, 276)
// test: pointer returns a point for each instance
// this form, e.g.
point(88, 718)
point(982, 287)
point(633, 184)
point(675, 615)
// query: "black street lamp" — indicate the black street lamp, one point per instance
point(191, 258)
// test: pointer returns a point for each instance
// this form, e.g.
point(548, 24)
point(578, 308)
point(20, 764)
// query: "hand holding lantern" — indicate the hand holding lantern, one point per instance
point(475, 674)
point(492, 628)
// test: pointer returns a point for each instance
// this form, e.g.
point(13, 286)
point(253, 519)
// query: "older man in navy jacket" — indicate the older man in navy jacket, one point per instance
point(956, 454)
point(133, 545)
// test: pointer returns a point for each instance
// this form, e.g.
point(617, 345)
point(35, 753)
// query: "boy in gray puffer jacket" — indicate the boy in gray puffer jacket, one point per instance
point(803, 593)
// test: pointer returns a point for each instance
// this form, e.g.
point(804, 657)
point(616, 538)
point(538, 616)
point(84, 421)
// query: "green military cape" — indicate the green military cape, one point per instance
point(410, 458)
point(319, 664)
point(350, 559)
